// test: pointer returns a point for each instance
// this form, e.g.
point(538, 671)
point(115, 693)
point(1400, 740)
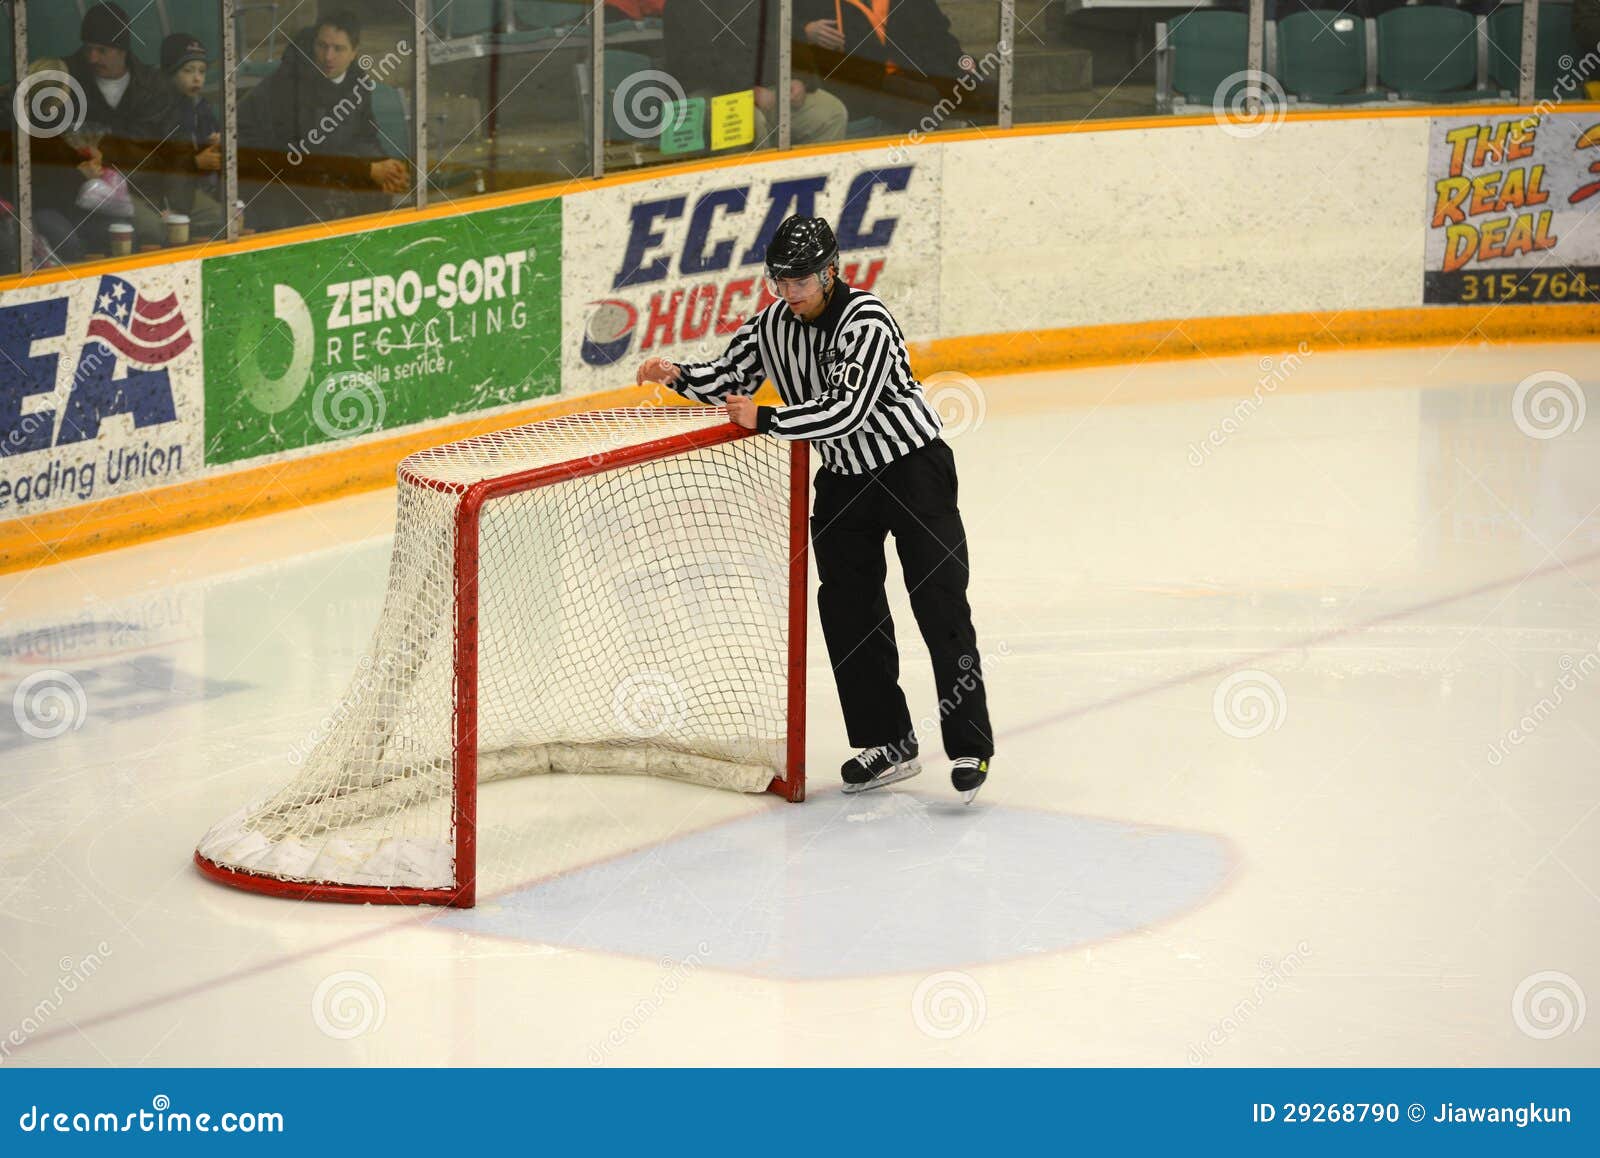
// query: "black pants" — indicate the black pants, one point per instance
point(913, 498)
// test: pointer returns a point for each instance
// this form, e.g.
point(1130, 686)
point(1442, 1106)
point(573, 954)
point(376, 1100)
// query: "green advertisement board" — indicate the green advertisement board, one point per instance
point(324, 340)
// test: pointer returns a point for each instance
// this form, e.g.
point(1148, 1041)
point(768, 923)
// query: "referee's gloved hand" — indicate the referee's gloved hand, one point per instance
point(742, 410)
point(657, 369)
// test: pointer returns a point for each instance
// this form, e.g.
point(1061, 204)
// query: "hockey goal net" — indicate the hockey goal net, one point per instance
point(614, 591)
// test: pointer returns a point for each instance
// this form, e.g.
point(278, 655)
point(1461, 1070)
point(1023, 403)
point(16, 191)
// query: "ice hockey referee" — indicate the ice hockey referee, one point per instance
point(839, 362)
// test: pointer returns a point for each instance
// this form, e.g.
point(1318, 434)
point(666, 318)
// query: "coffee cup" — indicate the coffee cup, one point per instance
point(177, 229)
point(121, 239)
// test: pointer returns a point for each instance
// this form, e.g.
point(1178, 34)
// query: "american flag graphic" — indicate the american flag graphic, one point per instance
point(146, 331)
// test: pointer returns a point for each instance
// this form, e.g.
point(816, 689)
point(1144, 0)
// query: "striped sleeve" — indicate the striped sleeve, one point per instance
point(858, 379)
point(737, 371)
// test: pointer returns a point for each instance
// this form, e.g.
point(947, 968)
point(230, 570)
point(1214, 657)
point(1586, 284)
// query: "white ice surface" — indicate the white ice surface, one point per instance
point(1377, 537)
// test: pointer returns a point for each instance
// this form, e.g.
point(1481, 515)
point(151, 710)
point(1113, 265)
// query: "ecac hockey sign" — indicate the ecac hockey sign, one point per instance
point(688, 269)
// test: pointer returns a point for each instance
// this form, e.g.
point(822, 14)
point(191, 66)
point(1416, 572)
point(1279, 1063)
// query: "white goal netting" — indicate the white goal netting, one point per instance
point(631, 620)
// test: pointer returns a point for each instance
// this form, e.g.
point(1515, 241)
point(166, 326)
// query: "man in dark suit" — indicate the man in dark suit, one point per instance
point(309, 143)
point(133, 105)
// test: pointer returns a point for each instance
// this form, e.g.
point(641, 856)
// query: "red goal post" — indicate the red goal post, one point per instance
point(654, 553)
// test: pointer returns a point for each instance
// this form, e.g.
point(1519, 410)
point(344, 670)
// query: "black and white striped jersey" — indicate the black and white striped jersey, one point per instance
point(844, 377)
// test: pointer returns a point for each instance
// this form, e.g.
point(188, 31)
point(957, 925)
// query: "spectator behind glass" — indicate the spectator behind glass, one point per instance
point(308, 141)
point(66, 167)
point(197, 193)
point(133, 104)
point(896, 60)
point(722, 46)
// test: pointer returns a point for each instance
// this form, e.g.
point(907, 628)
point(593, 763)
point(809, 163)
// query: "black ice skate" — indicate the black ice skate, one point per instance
point(875, 767)
point(967, 774)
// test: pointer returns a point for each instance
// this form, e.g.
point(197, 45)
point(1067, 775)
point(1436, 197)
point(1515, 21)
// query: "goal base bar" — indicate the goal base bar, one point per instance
point(794, 791)
point(322, 891)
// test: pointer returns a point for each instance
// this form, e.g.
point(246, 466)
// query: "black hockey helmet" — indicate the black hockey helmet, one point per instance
point(801, 246)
